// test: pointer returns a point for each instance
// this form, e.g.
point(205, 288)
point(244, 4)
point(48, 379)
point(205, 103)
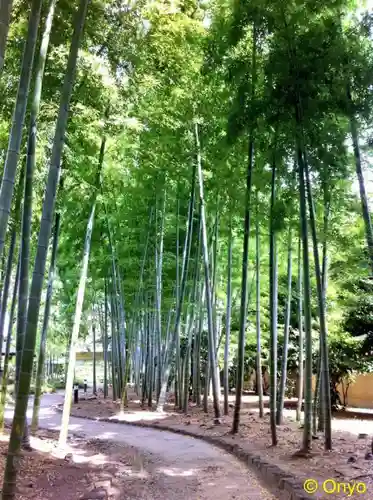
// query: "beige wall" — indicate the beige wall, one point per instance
point(359, 395)
point(360, 392)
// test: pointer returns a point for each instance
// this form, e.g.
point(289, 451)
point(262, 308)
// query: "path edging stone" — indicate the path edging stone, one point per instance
point(289, 486)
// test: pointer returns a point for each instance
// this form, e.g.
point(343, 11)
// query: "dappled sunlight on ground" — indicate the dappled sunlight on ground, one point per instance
point(129, 462)
point(346, 461)
point(177, 471)
point(136, 416)
point(107, 435)
point(352, 425)
point(77, 471)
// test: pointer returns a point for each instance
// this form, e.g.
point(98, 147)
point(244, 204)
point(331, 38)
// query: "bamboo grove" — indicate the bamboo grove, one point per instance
point(185, 182)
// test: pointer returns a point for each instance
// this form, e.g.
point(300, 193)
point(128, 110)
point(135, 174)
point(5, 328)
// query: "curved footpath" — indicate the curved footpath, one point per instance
point(186, 468)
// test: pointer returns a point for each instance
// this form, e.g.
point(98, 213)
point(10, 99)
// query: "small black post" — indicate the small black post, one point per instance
point(76, 393)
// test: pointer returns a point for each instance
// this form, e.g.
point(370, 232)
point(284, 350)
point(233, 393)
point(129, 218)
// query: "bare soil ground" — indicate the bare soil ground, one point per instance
point(349, 461)
point(86, 469)
point(108, 461)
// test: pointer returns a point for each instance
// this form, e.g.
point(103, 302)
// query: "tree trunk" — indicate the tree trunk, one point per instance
point(197, 327)
point(75, 331)
point(245, 255)
point(273, 308)
point(159, 265)
point(94, 358)
point(360, 178)
point(300, 329)
point(8, 273)
point(150, 363)
point(259, 377)
point(145, 358)
point(228, 320)
point(214, 252)
point(122, 339)
point(321, 415)
point(191, 321)
point(6, 281)
point(325, 379)
point(40, 259)
point(184, 273)
point(212, 346)
point(15, 137)
point(187, 364)
point(4, 378)
point(5, 11)
point(284, 361)
point(197, 349)
point(27, 205)
point(118, 357)
point(105, 344)
point(307, 431)
point(118, 302)
point(2, 276)
point(137, 307)
point(206, 387)
point(30, 168)
point(44, 331)
point(175, 340)
point(79, 303)
point(113, 352)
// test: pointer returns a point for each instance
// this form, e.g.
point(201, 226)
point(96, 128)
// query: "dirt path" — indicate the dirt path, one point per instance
point(175, 466)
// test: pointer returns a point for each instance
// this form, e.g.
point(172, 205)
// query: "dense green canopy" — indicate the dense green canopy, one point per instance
point(290, 83)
